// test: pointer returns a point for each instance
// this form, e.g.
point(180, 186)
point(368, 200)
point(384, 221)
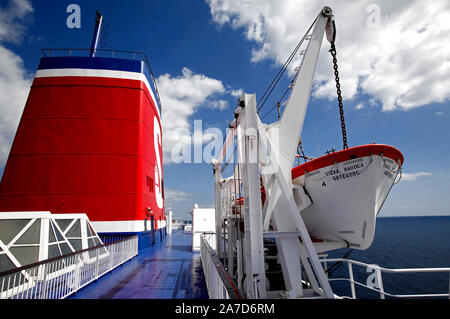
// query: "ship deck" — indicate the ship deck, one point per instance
point(168, 270)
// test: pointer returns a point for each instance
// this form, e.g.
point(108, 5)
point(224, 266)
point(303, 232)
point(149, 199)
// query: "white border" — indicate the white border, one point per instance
point(126, 226)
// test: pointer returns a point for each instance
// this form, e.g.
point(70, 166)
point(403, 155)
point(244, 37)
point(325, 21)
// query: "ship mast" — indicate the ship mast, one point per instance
point(98, 26)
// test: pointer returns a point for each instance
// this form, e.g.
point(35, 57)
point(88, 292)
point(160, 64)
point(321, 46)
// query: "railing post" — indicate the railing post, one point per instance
point(111, 248)
point(352, 281)
point(77, 274)
point(1, 289)
point(44, 282)
point(14, 287)
point(96, 264)
point(380, 282)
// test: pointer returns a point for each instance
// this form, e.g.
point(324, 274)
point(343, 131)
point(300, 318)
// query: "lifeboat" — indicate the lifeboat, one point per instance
point(347, 190)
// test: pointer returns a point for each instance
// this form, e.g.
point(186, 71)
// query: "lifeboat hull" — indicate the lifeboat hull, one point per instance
point(347, 190)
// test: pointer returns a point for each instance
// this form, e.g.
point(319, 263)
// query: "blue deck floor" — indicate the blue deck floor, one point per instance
point(168, 270)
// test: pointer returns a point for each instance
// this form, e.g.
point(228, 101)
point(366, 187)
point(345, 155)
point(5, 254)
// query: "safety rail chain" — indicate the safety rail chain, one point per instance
point(110, 52)
point(59, 277)
point(218, 283)
point(378, 286)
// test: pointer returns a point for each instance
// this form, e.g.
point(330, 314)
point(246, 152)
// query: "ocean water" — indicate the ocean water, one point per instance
point(401, 242)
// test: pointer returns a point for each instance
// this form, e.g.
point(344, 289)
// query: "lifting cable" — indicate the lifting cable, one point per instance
point(280, 73)
point(277, 105)
point(338, 264)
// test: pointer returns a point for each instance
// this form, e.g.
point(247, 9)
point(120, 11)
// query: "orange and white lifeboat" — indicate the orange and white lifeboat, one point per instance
point(347, 190)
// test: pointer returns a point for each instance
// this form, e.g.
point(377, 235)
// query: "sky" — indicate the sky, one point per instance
point(393, 61)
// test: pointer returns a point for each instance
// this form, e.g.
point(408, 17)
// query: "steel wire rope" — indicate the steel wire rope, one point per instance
point(337, 264)
point(280, 73)
point(276, 105)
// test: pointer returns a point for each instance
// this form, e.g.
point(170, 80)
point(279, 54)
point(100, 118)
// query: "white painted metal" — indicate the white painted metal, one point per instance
point(214, 284)
point(285, 217)
point(169, 217)
point(378, 271)
point(281, 141)
point(254, 251)
point(344, 209)
point(268, 152)
point(203, 220)
point(61, 277)
point(52, 236)
point(291, 123)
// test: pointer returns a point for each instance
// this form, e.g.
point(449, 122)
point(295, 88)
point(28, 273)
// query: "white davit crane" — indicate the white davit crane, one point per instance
point(270, 215)
point(266, 153)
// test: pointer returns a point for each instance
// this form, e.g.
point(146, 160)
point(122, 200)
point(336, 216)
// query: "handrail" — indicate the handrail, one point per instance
point(59, 277)
point(49, 50)
point(46, 261)
point(389, 270)
point(378, 271)
point(215, 273)
point(145, 59)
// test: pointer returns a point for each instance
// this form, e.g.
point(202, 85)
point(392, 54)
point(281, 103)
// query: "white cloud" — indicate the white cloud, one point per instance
point(360, 106)
point(14, 80)
point(11, 20)
point(236, 93)
point(400, 59)
point(439, 113)
point(219, 104)
point(181, 97)
point(173, 196)
point(414, 176)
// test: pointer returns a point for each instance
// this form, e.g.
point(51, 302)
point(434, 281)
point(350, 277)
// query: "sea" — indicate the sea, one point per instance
point(399, 242)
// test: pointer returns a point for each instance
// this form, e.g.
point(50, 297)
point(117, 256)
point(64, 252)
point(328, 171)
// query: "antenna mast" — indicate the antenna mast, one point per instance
point(98, 26)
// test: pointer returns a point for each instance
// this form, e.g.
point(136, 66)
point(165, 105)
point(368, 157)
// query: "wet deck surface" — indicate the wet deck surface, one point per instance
point(168, 270)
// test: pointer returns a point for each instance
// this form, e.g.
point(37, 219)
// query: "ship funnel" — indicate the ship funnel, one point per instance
point(98, 26)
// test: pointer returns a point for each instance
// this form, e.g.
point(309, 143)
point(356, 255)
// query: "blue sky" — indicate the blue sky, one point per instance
point(393, 60)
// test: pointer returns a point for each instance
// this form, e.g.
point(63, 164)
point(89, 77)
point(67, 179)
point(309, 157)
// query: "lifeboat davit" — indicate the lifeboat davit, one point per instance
point(347, 190)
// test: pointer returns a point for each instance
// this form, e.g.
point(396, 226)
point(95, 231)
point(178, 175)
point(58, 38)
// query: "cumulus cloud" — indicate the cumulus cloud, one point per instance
point(14, 80)
point(394, 51)
point(173, 196)
point(12, 17)
point(414, 176)
point(236, 93)
point(181, 97)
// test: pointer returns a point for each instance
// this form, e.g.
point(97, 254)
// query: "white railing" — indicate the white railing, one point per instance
point(219, 285)
point(60, 277)
point(376, 282)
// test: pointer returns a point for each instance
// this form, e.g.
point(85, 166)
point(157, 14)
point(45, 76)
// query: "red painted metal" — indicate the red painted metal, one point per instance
point(84, 144)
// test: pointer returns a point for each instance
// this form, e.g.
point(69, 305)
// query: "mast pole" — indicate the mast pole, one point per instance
point(98, 26)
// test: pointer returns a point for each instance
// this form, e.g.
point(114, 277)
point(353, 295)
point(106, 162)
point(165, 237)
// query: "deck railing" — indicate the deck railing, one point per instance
point(219, 284)
point(375, 283)
point(62, 276)
point(110, 53)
